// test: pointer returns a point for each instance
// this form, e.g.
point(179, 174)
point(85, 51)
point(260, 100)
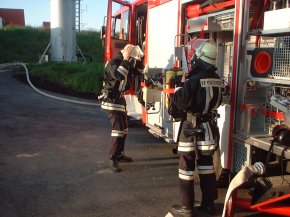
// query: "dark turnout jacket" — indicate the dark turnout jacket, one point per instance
point(116, 82)
point(118, 77)
point(200, 94)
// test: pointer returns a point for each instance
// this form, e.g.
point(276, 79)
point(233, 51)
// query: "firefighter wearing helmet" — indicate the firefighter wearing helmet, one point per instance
point(118, 77)
point(199, 96)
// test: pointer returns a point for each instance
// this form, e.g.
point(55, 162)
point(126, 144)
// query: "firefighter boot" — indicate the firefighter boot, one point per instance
point(114, 164)
point(209, 193)
point(123, 158)
point(186, 188)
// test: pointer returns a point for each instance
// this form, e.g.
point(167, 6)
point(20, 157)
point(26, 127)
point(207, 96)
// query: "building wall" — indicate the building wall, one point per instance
point(46, 25)
point(12, 16)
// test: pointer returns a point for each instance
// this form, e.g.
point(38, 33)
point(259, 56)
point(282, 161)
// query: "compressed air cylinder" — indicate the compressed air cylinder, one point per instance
point(168, 76)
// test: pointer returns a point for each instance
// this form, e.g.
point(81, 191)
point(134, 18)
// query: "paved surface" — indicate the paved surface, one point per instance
point(53, 162)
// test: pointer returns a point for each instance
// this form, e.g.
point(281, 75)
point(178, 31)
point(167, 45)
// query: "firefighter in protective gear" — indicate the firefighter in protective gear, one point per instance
point(118, 77)
point(200, 96)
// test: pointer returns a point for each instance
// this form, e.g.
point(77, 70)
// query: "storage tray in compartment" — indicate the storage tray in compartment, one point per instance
point(263, 141)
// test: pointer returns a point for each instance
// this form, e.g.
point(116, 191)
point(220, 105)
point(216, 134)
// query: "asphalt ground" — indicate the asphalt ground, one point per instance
point(53, 162)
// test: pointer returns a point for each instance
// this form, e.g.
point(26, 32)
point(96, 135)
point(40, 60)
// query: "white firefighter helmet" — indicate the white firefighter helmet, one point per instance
point(134, 51)
point(205, 50)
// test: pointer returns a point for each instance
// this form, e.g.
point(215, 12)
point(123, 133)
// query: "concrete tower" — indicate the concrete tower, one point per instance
point(62, 30)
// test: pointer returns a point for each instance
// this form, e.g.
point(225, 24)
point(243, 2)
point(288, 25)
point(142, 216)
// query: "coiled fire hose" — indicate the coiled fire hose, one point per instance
point(257, 169)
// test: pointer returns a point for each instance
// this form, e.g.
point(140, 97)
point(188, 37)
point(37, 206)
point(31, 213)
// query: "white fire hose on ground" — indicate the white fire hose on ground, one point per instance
point(242, 177)
point(46, 94)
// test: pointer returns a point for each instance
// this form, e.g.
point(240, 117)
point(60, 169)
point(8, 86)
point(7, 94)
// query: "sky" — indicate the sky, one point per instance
point(37, 11)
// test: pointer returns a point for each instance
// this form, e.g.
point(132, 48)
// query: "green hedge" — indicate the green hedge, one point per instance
point(26, 44)
point(90, 44)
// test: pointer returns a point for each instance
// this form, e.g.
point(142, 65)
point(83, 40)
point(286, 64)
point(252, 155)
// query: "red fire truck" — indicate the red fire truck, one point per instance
point(253, 41)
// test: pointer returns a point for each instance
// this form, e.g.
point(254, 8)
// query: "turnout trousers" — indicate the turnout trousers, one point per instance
point(203, 160)
point(119, 132)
